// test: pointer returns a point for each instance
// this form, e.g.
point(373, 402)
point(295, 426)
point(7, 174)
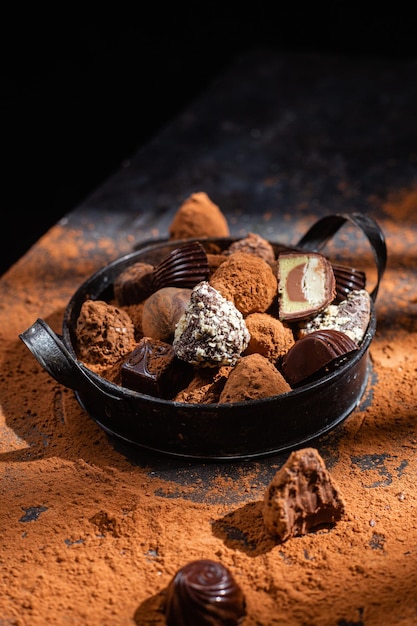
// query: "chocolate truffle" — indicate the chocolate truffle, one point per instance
point(215, 259)
point(104, 333)
point(302, 497)
point(204, 593)
point(133, 284)
point(268, 336)
point(306, 285)
point(254, 377)
point(186, 266)
point(316, 354)
point(198, 217)
point(152, 368)
point(246, 280)
point(205, 386)
point(211, 332)
point(162, 310)
point(351, 316)
point(253, 244)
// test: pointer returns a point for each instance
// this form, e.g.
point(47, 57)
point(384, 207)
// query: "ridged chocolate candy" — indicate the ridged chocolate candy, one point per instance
point(347, 279)
point(185, 266)
point(315, 353)
point(204, 593)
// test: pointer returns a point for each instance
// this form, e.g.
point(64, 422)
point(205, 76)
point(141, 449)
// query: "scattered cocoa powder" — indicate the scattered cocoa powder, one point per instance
point(92, 532)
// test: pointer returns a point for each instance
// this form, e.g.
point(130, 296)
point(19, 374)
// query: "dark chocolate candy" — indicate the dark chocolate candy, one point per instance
point(348, 279)
point(314, 354)
point(152, 368)
point(204, 593)
point(185, 266)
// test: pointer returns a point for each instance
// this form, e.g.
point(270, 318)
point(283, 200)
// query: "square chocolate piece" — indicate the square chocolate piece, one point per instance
point(152, 368)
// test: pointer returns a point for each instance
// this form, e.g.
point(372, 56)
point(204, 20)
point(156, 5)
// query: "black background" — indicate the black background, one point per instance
point(84, 92)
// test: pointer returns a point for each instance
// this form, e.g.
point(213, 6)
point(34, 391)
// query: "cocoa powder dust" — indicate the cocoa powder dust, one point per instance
point(92, 532)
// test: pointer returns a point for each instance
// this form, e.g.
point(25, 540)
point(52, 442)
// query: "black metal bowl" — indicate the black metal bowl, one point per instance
point(209, 431)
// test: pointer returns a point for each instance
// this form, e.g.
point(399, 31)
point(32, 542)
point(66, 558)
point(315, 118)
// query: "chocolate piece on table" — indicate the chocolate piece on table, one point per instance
point(153, 369)
point(185, 266)
point(302, 497)
point(348, 279)
point(204, 593)
point(306, 285)
point(314, 354)
point(133, 284)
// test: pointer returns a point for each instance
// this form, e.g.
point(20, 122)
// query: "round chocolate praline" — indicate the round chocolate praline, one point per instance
point(204, 593)
point(185, 266)
point(314, 354)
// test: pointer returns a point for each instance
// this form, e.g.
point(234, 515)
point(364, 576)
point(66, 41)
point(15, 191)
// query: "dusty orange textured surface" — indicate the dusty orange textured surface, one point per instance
point(90, 537)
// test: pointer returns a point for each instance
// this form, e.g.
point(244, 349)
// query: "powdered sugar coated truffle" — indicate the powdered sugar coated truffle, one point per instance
point(211, 332)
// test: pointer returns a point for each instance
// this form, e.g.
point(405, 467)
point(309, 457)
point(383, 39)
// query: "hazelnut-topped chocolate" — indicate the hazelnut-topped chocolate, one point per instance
point(211, 331)
point(351, 316)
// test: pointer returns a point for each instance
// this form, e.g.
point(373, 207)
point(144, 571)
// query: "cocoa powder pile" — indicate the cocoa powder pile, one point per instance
point(93, 532)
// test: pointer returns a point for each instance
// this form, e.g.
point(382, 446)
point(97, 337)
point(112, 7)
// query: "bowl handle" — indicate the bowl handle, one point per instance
point(50, 351)
point(323, 230)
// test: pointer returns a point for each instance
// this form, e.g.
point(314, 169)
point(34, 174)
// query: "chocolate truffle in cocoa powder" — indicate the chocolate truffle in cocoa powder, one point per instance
point(104, 334)
point(253, 244)
point(268, 336)
point(302, 497)
point(198, 217)
point(254, 377)
point(205, 386)
point(204, 593)
point(246, 280)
